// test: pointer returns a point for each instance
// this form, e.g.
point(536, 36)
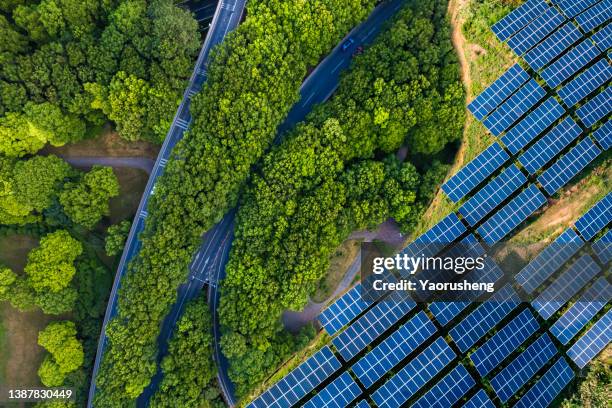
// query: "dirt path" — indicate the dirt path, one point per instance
point(141, 163)
point(458, 40)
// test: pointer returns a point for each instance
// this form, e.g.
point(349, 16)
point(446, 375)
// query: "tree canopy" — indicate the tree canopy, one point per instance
point(65, 352)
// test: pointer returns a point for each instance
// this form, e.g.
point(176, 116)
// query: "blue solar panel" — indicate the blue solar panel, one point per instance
point(504, 342)
point(544, 392)
point(438, 237)
point(572, 8)
point(603, 38)
point(362, 404)
point(549, 146)
point(568, 166)
point(511, 215)
point(523, 367)
point(593, 341)
point(596, 109)
point(565, 286)
point(596, 218)
point(549, 260)
point(444, 312)
point(518, 19)
point(515, 107)
point(586, 83)
point(343, 310)
point(595, 16)
point(553, 46)
point(372, 324)
point(338, 394)
point(484, 318)
point(566, 66)
point(374, 365)
point(479, 400)
point(603, 248)
point(581, 312)
point(533, 124)
point(603, 135)
point(475, 172)
point(299, 382)
point(498, 91)
point(536, 31)
point(448, 391)
point(420, 370)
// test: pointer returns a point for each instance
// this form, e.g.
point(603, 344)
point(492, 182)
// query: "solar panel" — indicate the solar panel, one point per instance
point(343, 310)
point(337, 394)
point(549, 260)
point(603, 38)
point(498, 91)
point(362, 404)
point(515, 107)
point(570, 63)
point(403, 385)
point(437, 237)
point(603, 135)
point(553, 46)
point(475, 172)
point(543, 393)
point(536, 31)
point(595, 16)
point(549, 146)
point(596, 218)
point(596, 109)
point(568, 166)
point(374, 365)
point(523, 367)
point(593, 341)
point(581, 312)
point(603, 248)
point(565, 286)
point(504, 342)
point(535, 123)
point(572, 8)
point(467, 332)
point(448, 391)
point(444, 312)
point(518, 19)
point(479, 400)
point(511, 215)
point(586, 83)
point(372, 324)
point(299, 382)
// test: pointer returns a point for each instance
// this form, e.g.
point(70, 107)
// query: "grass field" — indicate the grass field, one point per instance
point(340, 262)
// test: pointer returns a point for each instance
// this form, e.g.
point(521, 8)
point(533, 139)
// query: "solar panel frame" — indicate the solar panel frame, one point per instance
point(550, 145)
point(475, 172)
point(544, 392)
point(603, 135)
point(580, 313)
point(549, 49)
point(592, 342)
point(596, 109)
point(603, 248)
point(572, 8)
point(569, 166)
point(448, 390)
point(603, 38)
point(337, 394)
point(536, 31)
point(596, 218)
point(509, 380)
point(570, 63)
point(532, 125)
point(595, 16)
point(518, 18)
point(343, 311)
point(586, 83)
point(479, 400)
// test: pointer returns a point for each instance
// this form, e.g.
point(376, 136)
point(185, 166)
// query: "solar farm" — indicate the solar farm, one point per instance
point(550, 116)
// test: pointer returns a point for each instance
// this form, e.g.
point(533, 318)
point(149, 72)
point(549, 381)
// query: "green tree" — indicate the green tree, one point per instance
point(116, 236)
point(7, 279)
point(65, 352)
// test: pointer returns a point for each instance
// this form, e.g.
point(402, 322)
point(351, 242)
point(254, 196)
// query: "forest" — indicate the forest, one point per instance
point(336, 173)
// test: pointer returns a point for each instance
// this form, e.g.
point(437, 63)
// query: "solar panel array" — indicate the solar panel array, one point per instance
point(572, 8)
point(536, 31)
point(596, 218)
point(479, 400)
point(549, 260)
point(504, 342)
point(518, 19)
point(553, 46)
point(444, 312)
point(448, 391)
point(516, 106)
point(568, 166)
point(581, 312)
point(586, 83)
point(603, 38)
point(544, 392)
point(467, 332)
point(338, 394)
point(570, 63)
point(522, 368)
point(603, 135)
point(475, 172)
point(565, 286)
point(511, 215)
point(362, 404)
point(549, 146)
point(592, 342)
point(535, 123)
point(603, 248)
point(596, 109)
point(498, 91)
point(595, 16)
point(376, 363)
point(419, 371)
point(299, 382)
point(343, 310)
point(436, 238)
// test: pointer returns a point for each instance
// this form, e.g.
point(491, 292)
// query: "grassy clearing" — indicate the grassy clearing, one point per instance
point(340, 262)
point(14, 250)
point(132, 183)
